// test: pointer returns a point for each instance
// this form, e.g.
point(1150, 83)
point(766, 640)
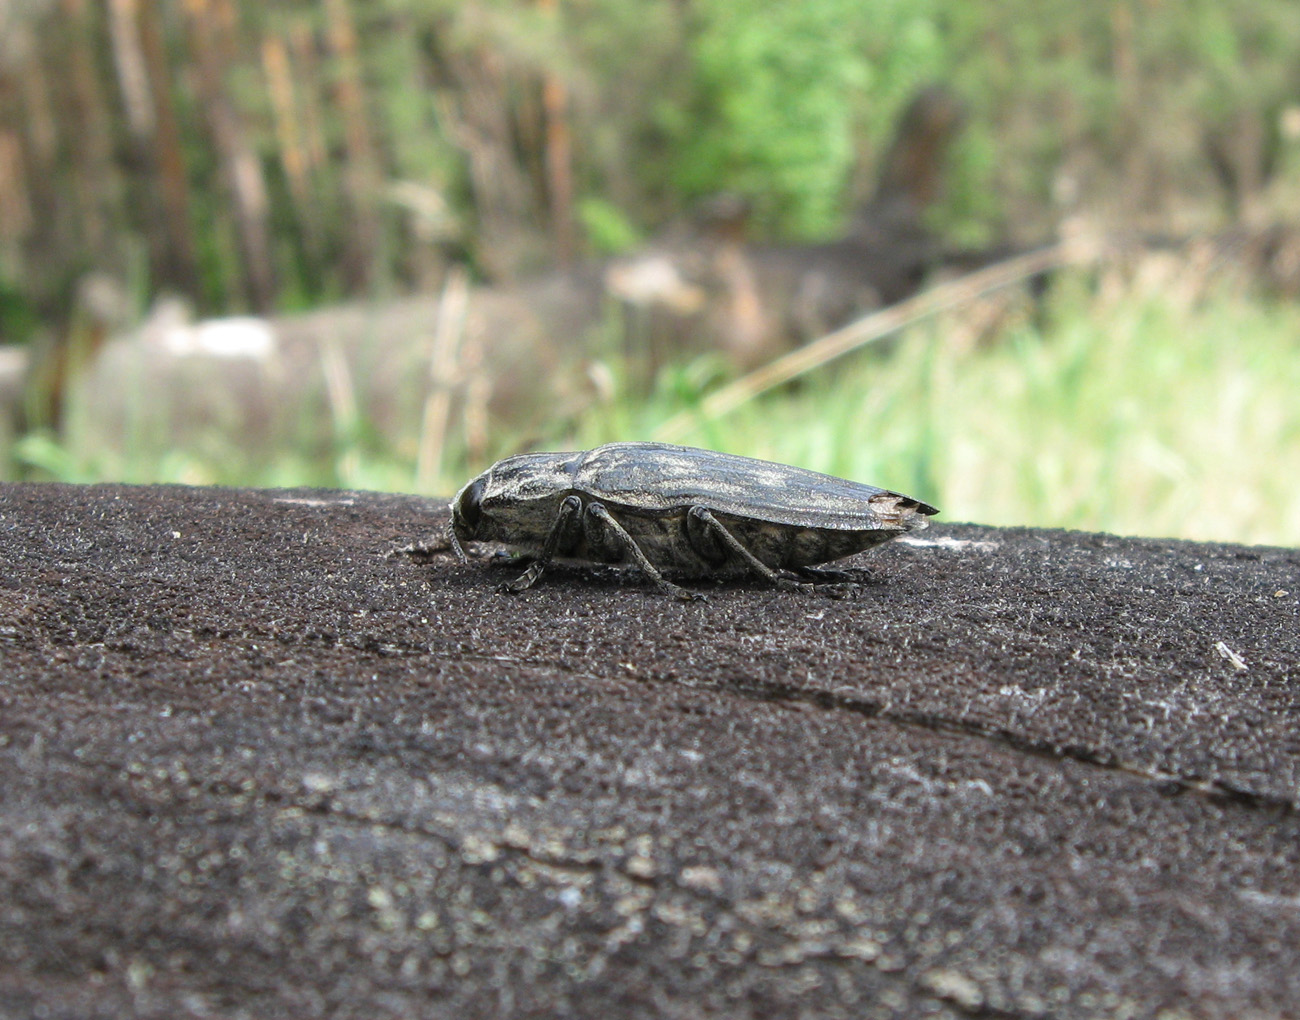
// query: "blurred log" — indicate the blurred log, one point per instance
point(58, 362)
point(911, 176)
point(1243, 150)
point(870, 328)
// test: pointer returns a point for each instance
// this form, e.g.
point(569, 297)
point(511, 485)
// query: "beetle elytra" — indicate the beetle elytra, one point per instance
point(678, 511)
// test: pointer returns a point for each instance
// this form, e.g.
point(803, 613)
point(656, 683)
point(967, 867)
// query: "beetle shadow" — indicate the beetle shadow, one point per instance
point(502, 558)
point(827, 582)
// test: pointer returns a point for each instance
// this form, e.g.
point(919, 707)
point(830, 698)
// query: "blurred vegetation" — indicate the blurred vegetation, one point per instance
point(262, 156)
point(275, 157)
point(1136, 404)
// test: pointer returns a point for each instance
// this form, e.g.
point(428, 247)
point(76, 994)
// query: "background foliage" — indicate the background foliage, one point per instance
point(362, 146)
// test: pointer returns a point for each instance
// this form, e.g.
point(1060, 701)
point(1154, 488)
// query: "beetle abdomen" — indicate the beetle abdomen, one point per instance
point(675, 548)
point(662, 537)
point(780, 546)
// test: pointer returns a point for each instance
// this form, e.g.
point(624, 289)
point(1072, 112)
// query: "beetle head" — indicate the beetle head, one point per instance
point(466, 512)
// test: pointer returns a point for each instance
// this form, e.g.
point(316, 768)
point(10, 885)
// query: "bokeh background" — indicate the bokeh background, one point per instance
point(380, 243)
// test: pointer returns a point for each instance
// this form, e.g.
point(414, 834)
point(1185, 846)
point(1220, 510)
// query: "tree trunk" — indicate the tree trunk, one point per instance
point(210, 42)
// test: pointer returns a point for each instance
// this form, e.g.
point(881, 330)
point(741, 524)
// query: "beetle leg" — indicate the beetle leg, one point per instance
point(824, 575)
point(715, 529)
point(565, 521)
point(610, 527)
point(834, 584)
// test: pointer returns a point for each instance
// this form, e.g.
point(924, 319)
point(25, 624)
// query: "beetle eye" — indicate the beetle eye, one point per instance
point(469, 508)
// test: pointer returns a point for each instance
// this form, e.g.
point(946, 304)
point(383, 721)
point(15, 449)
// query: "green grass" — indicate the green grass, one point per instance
point(1161, 408)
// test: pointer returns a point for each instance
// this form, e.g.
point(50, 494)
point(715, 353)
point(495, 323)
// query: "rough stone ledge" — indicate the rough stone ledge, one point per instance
point(257, 761)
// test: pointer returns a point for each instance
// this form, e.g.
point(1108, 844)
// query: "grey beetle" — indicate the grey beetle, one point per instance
point(677, 510)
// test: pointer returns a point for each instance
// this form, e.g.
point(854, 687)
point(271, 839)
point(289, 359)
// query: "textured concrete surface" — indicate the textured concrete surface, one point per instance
point(256, 761)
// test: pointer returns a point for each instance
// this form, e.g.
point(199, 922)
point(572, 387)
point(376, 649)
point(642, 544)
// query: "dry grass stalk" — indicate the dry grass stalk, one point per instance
point(449, 332)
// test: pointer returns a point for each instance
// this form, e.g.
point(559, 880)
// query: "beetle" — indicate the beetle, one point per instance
point(680, 511)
